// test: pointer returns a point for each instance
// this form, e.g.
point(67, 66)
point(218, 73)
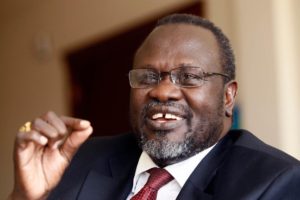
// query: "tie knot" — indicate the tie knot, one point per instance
point(158, 178)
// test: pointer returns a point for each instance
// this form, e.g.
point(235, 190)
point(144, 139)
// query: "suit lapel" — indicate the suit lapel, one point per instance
point(112, 179)
point(200, 183)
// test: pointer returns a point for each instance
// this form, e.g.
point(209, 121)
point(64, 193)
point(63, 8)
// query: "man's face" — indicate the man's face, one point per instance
point(173, 123)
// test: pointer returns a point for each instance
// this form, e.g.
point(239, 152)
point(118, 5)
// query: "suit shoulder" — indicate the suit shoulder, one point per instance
point(95, 154)
point(247, 142)
point(260, 168)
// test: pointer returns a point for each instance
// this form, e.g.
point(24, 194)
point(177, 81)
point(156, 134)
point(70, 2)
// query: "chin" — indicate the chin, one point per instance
point(166, 149)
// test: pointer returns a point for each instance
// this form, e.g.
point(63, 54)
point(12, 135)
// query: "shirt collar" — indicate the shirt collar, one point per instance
point(180, 171)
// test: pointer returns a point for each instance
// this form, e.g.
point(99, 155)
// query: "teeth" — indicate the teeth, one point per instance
point(167, 116)
point(157, 115)
point(170, 116)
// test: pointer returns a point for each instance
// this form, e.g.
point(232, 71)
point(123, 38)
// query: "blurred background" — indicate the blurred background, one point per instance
point(72, 57)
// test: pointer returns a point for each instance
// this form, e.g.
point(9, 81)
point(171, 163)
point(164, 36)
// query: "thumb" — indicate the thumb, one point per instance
point(75, 123)
point(81, 130)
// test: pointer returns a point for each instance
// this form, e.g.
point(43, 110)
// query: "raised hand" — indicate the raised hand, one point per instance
point(42, 153)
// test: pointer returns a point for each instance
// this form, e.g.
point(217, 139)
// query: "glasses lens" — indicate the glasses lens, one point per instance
point(188, 76)
point(143, 78)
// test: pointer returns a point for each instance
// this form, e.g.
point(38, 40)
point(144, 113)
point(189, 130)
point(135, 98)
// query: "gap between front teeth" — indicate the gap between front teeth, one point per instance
point(167, 116)
point(158, 115)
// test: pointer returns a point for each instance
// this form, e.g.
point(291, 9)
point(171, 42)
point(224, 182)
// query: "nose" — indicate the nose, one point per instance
point(166, 91)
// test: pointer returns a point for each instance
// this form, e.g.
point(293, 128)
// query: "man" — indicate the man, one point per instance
point(181, 102)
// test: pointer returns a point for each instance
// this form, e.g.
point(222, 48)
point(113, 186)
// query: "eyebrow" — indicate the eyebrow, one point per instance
point(187, 65)
point(143, 66)
point(149, 66)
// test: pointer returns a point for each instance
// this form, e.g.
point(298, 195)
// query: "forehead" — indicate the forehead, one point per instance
point(172, 45)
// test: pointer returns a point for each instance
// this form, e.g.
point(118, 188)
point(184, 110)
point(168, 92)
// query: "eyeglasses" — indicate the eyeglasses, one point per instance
point(186, 77)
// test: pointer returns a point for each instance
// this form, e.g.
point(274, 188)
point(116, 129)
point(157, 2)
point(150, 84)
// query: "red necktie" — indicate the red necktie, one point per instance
point(158, 178)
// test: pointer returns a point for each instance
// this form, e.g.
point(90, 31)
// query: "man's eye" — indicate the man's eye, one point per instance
point(189, 76)
point(190, 79)
point(148, 79)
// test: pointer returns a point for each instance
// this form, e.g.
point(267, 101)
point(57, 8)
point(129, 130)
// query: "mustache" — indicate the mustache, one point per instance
point(184, 110)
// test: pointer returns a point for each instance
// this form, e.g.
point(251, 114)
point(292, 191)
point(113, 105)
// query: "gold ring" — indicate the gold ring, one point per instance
point(26, 127)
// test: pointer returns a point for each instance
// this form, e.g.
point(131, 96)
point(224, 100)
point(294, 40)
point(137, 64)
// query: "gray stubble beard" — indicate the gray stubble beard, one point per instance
point(205, 134)
point(164, 149)
point(165, 152)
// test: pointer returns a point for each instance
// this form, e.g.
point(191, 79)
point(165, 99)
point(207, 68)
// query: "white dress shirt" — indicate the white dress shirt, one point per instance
point(180, 171)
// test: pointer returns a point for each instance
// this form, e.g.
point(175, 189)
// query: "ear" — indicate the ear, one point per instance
point(229, 97)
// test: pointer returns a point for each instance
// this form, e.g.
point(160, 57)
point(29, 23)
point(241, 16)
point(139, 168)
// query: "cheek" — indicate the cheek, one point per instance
point(203, 100)
point(197, 99)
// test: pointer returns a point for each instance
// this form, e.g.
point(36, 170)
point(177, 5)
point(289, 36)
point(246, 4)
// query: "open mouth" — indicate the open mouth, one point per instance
point(164, 119)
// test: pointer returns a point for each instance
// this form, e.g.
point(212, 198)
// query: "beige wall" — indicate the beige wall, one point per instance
point(287, 66)
point(32, 82)
point(265, 34)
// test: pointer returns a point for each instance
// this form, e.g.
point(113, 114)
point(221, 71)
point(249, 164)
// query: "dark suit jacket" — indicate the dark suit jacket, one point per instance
point(240, 167)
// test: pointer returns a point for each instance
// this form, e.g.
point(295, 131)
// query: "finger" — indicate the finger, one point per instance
point(51, 118)
point(73, 142)
point(75, 123)
point(44, 128)
point(56, 144)
point(23, 138)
